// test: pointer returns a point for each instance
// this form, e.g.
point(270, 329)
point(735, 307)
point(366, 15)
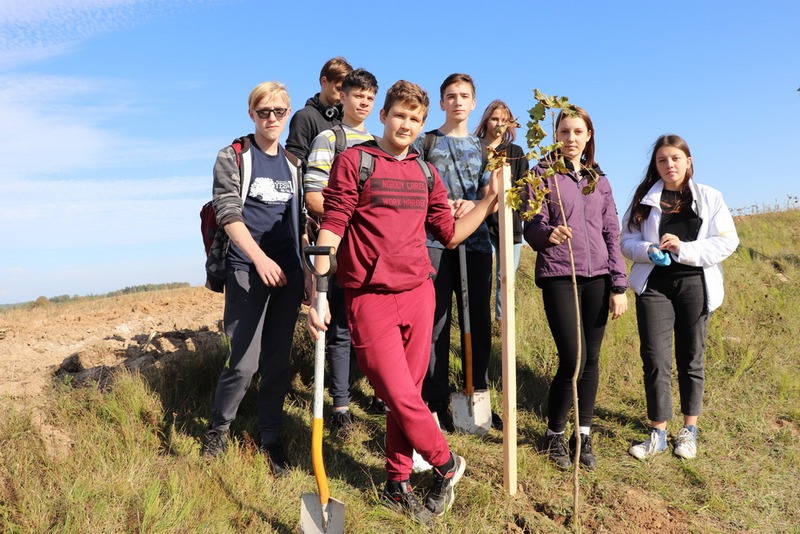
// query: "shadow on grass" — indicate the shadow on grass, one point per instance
point(277, 526)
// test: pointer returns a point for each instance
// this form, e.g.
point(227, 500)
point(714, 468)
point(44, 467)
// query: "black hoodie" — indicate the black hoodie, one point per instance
point(307, 123)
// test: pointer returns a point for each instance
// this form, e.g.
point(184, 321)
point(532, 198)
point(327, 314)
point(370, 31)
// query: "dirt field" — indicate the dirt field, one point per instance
point(87, 336)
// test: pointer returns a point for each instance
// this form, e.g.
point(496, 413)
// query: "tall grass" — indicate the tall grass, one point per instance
point(134, 463)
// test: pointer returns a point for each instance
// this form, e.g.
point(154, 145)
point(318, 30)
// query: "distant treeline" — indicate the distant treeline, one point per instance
point(41, 301)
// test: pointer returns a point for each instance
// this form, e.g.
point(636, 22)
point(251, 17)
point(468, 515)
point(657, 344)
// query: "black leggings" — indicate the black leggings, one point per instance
point(593, 295)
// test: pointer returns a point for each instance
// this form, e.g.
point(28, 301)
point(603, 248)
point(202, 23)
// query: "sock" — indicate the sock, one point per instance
point(394, 486)
point(447, 466)
point(550, 433)
point(337, 409)
point(584, 430)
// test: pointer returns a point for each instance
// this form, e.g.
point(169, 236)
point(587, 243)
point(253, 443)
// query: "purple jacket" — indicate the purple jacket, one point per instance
point(595, 230)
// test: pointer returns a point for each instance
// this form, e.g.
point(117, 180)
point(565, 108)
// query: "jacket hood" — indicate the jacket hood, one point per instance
point(316, 103)
point(373, 148)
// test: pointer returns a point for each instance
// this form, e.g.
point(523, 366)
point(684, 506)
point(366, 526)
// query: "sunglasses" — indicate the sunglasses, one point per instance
point(278, 112)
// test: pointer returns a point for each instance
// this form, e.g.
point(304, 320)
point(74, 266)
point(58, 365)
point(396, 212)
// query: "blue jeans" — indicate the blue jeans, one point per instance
point(672, 306)
point(498, 310)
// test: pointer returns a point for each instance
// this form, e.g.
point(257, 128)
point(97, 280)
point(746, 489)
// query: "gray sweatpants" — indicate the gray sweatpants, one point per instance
point(260, 321)
point(672, 305)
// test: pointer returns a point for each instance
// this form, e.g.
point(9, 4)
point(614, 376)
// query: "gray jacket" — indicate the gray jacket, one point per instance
point(232, 170)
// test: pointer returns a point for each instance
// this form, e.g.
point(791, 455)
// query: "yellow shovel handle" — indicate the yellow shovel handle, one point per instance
point(317, 462)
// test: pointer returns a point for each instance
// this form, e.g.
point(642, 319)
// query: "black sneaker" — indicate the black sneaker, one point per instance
point(399, 497)
point(215, 442)
point(276, 458)
point(342, 423)
point(440, 497)
point(377, 406)
point(497, 421)
point(440, 410)
point(557, 451)
point(587, 458)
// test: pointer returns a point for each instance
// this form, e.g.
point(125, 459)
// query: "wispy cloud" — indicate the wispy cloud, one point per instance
point(34, 30)
point(81, 198)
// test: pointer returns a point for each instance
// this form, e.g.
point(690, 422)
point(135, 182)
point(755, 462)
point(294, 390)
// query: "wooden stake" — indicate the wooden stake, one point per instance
point(508, 337)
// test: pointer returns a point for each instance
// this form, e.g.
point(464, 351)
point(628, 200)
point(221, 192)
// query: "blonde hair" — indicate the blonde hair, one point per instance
point(268, 90)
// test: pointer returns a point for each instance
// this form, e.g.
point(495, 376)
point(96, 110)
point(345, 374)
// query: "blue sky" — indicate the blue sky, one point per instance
point(112, 111)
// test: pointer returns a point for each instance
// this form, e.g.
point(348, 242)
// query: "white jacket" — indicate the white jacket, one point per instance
point(716, 240)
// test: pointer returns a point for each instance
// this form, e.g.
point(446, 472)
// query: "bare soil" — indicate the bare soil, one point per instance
point(88, 338)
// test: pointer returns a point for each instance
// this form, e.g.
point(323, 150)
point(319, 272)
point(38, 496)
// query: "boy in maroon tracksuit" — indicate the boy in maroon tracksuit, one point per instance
point(383, 265)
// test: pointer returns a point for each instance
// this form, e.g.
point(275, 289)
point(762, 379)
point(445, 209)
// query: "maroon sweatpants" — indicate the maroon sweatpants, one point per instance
point(391, 334)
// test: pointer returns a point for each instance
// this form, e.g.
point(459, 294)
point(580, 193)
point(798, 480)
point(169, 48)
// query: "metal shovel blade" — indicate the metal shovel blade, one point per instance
point(316, 520)
point(472, 414)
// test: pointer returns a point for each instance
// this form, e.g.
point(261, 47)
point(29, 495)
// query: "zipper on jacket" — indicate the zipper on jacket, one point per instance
point(590, 270)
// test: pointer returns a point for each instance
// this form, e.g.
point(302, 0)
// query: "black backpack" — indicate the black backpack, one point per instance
point(366, 161)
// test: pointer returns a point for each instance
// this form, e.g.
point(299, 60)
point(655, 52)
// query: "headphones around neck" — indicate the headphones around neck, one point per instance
point(330, 112)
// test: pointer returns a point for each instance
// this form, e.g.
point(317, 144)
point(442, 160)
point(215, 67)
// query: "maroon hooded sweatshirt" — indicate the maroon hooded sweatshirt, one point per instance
point(383, 227)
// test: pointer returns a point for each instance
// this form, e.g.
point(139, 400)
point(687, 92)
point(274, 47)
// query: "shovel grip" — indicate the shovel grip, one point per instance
point(322, 277)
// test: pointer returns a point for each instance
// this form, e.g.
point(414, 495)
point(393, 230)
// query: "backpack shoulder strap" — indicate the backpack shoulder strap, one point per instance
point(426, 170)
point(366, 164)
point(428, 143)
point(341, 139)
point(242, 146)
point(484, 156)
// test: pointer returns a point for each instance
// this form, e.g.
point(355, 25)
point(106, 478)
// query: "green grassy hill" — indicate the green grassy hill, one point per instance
point(134, 463)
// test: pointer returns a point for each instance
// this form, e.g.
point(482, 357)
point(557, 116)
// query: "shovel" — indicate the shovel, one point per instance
point(319, 513)
point(472, 410)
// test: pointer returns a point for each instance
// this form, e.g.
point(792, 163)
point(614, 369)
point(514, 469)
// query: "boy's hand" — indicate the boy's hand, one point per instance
point(269, 272)
point(496, 182)
point(461, 207)
point(314, 325)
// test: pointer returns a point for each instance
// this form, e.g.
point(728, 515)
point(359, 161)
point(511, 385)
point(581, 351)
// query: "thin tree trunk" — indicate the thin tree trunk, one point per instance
point(576, 431)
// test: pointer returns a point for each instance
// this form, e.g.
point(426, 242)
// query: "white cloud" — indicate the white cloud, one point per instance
point(32, 30)
point(86, 205)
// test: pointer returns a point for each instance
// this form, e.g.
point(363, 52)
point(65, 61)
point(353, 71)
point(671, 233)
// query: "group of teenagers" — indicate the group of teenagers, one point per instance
point(396, 232)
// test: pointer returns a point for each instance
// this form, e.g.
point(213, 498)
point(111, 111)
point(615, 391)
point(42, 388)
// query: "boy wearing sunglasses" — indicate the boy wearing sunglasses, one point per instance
point(257, 201)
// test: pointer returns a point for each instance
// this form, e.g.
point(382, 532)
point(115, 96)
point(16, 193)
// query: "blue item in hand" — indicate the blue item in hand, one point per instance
point(659, 257)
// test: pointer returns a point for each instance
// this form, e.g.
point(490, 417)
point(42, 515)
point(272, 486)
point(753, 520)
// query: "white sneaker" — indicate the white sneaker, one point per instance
point(686, 443)
point(655, 444)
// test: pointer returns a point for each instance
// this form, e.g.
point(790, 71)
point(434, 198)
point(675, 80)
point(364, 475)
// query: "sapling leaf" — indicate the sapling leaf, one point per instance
point(495, 159)
point(538, 112)
point(560, 166)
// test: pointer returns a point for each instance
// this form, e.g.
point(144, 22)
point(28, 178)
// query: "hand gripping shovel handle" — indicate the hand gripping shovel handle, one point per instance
point(462, 264)
point(322, 279)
